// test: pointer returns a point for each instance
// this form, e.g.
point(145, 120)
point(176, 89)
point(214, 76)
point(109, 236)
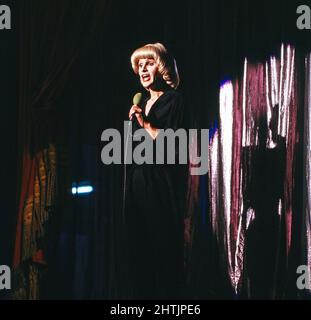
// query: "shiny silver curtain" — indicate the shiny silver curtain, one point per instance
point(253, 167)
point(306, 236)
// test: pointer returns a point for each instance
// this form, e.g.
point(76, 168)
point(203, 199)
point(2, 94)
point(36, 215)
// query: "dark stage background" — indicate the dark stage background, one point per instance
point(9, 115)
point(68, 77)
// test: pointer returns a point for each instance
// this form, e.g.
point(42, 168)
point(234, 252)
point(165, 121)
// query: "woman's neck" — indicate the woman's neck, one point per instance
point(154, 95)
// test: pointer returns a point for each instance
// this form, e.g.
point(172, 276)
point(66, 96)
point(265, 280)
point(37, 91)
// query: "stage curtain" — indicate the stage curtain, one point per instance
point(256, 177)
point(53, 35)
point(306, 220)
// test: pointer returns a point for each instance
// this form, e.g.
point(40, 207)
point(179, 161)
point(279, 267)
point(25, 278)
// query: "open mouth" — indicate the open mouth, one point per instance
point(145, 77)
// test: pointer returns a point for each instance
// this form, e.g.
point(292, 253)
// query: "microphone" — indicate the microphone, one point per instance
point(136, 100)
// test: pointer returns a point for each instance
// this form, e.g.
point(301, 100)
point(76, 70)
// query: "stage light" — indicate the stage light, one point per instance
point(81, 190)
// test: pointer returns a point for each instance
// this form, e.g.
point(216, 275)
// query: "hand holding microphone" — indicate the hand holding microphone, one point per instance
point(136, 110)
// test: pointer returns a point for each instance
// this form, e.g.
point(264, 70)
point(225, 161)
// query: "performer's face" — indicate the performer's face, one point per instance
point(148, 71)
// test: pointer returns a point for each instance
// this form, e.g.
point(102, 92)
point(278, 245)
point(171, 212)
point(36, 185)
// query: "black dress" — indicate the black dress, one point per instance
point(155, 199)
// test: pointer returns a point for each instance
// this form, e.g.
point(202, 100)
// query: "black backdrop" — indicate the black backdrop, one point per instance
point(209, 40)
point(8, 131)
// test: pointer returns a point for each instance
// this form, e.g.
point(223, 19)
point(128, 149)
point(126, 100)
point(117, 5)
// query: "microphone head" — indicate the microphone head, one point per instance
point(137, 98)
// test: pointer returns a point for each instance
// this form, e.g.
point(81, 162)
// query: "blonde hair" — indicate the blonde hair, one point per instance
point(166, 64)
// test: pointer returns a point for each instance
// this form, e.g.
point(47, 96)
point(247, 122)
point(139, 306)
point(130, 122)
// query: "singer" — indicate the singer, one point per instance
point(155, 194)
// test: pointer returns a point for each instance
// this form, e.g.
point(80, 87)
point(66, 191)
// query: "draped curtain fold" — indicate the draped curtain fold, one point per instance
point(306, 221)
point(54, 33)
point(253, 177)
